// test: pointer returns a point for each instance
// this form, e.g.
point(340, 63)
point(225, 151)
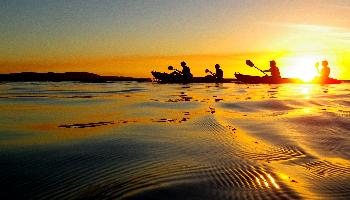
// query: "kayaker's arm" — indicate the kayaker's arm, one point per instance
point(208, 71)
point(178, 71)
point(316, 66)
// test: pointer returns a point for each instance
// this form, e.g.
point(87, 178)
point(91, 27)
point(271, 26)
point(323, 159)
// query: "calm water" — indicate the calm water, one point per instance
point(149, 141)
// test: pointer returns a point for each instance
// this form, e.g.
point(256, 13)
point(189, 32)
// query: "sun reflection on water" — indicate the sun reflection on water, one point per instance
point(305, 91)
point(268, 182)
point(264, 180)
point(258, 181)
point(272, 180)
point(307, 110)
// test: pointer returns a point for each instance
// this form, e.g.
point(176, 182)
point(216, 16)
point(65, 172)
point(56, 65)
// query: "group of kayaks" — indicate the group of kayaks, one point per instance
point(163, 77)
point(271, 80)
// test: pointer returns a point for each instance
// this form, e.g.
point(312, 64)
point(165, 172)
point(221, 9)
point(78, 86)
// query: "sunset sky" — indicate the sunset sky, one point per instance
point(133, 37)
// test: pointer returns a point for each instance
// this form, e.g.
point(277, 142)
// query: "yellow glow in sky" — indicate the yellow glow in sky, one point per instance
point(132, 38)
point(302, 67)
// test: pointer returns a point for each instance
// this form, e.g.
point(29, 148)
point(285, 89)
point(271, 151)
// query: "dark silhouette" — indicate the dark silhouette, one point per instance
point(218, 75)
point(275, 72)
point(67, 76)
point(184, 75)
point(186, 71)
point(325, 71)
point(276, 78)
point(251, 64)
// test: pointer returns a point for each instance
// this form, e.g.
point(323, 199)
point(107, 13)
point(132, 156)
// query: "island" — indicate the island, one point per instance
point(66, 76)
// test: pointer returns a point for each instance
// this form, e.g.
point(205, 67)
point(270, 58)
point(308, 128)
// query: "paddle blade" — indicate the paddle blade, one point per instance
point(249, 63)
point(170, 68)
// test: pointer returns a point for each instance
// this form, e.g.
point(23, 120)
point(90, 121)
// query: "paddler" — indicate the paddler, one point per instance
point(219, 74)
point(186, 72)
point(275, 72)
point(325, 71)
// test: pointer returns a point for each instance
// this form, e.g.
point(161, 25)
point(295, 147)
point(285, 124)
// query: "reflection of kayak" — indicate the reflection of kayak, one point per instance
point(272, 80)
point(163, 77)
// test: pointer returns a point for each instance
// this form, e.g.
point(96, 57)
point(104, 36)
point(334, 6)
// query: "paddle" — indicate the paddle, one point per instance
point(317, 65)
point(251, 64)
point(172, 68)
point(208, 71)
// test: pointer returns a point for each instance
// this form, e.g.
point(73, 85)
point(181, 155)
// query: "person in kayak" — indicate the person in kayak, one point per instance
point(186, 72)
point(184, 75)
point(325, 71)
point(219, 74)
point(275, 72)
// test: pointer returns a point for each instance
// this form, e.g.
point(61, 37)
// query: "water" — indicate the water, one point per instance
point(168, 141)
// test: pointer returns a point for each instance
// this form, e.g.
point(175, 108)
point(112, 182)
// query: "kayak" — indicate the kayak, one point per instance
point(326, 81)
point(264, 79)
point(273, 80)
point(162, 77)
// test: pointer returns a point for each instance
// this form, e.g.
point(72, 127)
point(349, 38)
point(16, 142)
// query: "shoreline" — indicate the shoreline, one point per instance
point(65, 76)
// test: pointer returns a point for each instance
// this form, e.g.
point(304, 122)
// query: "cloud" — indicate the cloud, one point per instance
point(335, 32)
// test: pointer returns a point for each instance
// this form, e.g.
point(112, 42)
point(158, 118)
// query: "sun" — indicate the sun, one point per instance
point(302, 67)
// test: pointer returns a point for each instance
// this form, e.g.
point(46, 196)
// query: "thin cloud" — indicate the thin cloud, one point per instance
point(337, 6)
point(339, 33)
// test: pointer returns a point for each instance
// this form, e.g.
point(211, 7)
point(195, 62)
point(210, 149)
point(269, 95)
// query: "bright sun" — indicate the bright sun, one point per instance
point(302, 67)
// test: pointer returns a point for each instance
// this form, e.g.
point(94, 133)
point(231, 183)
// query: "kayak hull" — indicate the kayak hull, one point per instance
point(272, 80)
point(163, 77)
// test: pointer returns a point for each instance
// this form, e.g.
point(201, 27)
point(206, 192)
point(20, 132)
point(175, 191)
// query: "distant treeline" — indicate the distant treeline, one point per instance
point(67, 76)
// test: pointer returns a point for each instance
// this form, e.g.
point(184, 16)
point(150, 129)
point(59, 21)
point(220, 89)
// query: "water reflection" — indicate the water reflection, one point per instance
point(272, 180)
point(125, 139)
point(306, 110)
point(262, 181)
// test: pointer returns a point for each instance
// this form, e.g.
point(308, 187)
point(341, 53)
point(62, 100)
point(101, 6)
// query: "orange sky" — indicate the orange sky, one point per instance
point(131, 38)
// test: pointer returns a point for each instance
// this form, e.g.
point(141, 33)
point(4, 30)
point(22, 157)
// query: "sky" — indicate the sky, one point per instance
point(134, 37)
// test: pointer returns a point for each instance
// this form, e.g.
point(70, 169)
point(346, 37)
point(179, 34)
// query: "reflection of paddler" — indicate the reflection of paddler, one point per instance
point(325, 71)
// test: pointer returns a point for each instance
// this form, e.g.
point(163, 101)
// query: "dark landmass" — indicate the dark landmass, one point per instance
point(67, 76)
point(74, 76)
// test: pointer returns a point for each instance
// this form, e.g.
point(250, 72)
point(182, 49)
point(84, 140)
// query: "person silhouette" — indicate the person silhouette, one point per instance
point(186, 71)
point(275, 72)
point(219, 74)
point(325, 71)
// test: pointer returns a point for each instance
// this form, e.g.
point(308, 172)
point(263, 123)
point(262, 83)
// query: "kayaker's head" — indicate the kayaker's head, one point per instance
point(272, 63)
point(325, 63)
point(217, 66)
point(183, 64)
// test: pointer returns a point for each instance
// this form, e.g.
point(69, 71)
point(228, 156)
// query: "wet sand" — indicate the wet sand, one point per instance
point(170, 141)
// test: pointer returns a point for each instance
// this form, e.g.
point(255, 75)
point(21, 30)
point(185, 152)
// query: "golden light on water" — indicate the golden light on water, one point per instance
point(258, 181)
point(305, 91)
point(262, 181)
point(272, 180)
point(283, 176)
point(307, 110)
